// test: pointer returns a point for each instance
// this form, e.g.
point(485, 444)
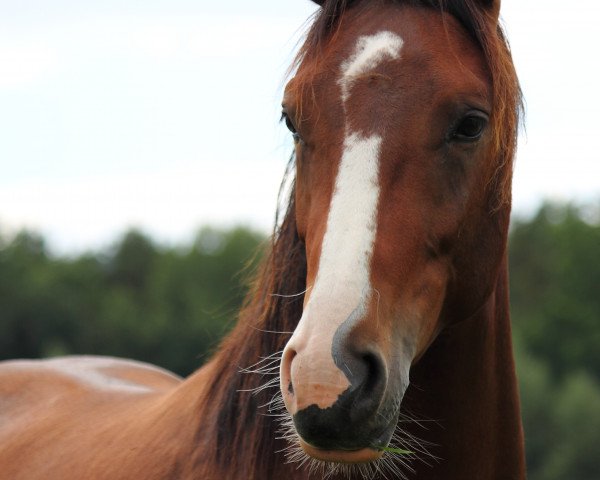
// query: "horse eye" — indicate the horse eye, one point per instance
point(290, 126)
point(470, 128)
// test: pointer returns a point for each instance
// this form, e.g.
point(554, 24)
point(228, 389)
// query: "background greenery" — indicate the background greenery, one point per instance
point(170, 306)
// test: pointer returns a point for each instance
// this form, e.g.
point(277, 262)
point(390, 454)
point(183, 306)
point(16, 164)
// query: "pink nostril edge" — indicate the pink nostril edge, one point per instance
point(286, 383)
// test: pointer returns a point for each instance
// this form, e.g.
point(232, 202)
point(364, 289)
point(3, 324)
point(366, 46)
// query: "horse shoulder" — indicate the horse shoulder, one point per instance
point(26, 380)
point(56, 412)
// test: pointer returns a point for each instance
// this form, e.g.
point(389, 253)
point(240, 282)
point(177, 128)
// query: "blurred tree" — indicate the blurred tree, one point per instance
point(555, 288)
point(23, 295)
point(561, 419)
point(555, 305)
point(132, 261)
point(164, 306)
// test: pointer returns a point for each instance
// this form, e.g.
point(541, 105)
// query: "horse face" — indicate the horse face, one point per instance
point(392, 153)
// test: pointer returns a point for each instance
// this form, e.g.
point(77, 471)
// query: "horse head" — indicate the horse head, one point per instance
point(404, 134)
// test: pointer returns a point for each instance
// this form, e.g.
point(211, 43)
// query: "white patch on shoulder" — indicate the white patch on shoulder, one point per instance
point(95, 372)
point(370, 50)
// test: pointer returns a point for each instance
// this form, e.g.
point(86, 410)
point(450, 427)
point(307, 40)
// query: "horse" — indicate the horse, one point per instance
point(375, 341)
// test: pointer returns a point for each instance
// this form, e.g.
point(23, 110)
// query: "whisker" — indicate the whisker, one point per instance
point(271, 331)
point(377, 309)
point(292, 295)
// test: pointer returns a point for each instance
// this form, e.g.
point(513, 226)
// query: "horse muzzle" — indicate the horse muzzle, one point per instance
point(339, 402)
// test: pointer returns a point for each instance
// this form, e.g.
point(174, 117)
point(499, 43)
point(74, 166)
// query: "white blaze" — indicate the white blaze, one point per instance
point(343, 275)
point(343, 278)
point(342, 283)
point(369, 52)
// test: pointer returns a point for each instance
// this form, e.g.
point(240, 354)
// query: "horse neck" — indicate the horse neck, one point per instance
point(466, 384)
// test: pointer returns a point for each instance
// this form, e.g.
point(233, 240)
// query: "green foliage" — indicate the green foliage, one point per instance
point(555, 287)
point(166, 306)
point(561, 421)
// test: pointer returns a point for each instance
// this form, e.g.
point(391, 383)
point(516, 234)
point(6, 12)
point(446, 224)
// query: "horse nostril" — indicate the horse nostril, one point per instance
point(286, 381)
point(367, 374)
point(375, 372)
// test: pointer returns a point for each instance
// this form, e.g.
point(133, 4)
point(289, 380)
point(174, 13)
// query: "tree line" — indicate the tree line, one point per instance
point(171, 305)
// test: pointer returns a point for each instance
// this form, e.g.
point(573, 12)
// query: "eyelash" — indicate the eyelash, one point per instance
point(469, 128)
point(290, 126)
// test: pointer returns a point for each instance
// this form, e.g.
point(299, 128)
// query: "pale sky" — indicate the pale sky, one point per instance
point(164, 114)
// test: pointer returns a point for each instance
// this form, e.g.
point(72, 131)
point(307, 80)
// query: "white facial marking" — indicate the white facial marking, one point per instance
point(370, 50)
point(344, 272)
point(342, 284)
point(351, 224)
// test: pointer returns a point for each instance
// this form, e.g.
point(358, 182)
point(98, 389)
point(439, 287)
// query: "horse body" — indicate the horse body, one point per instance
point(389, 267)
point(85, 417)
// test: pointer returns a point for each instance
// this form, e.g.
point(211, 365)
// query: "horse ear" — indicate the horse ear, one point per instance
point(322, 2)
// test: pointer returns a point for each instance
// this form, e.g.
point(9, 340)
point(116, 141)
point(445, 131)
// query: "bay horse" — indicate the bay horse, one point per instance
point(375, 342)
